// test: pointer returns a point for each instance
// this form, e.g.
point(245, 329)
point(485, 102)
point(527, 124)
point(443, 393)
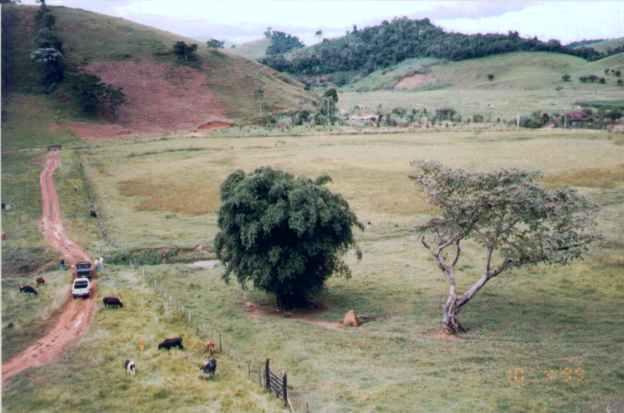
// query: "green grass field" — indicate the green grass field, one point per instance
point(540, 339)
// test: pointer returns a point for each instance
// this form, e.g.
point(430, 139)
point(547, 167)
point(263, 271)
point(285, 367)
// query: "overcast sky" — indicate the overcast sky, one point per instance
point(244, 20)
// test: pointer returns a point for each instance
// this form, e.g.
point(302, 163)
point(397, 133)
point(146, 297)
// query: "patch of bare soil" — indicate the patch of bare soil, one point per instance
point(160, 98)
point(309, 316)
point(443, 335)
point(75, 317)
point(414, 81)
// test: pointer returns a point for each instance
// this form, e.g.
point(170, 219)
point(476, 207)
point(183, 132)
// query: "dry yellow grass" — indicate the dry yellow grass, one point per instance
point(169, 189)
point(589, 177)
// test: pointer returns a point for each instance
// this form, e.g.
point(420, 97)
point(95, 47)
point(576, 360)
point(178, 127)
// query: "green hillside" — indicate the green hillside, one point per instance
point(253, 50)
point(522, 82)
point(90, 39)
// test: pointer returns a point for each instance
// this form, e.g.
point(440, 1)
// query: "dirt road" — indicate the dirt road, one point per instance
point(76, 314)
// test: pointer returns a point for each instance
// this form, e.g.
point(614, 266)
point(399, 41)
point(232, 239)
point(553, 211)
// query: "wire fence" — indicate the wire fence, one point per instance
point(257, 371)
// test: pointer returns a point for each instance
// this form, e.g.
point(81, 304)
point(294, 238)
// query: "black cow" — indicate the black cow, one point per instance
point(27, 289)
point(210, 368)
point(168, 343)
point(112, 302)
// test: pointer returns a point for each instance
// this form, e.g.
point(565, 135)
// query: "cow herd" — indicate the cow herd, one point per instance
point(208, 369)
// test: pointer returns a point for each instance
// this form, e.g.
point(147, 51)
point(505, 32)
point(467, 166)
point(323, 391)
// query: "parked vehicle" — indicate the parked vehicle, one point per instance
point(81, 288)
point(84, 269)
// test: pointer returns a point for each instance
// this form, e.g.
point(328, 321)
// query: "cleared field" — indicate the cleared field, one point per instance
point(523, 83)
point(91, 377)
point(167, 192)
point(541, 339)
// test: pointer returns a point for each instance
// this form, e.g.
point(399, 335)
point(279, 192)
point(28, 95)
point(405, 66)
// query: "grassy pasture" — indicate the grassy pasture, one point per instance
point(91, 378)
point(24, 317)
point(523, 83)
point(541, 339)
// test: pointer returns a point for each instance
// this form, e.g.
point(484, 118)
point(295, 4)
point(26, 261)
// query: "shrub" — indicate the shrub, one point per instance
point(184, 51)
point(283, 234)
point(490, 77)
point(565, 78)
point(95, 96)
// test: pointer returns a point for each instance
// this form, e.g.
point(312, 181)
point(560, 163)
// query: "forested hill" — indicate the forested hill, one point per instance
point(389, 43)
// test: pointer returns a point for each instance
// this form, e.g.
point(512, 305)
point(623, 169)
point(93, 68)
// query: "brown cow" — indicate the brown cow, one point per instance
point(40, 281)
point(210, 347)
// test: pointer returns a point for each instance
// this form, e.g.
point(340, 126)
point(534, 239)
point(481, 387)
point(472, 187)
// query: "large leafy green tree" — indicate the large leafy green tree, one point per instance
point(509, 215)
point(283, 234)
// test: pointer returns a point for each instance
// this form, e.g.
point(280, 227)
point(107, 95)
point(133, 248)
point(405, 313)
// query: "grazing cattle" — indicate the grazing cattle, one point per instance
point(27, 289)
point(130, 367)
point(112, 302)
point(168, 343)
point(210, 347)
point(40, 281)
point(93, 213)
point(210, 368)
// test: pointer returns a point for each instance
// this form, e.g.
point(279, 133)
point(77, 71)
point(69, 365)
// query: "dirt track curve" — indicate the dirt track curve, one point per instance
point(76, 315)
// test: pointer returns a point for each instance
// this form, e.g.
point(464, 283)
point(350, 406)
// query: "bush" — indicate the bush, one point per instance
point(566, 77)
point(184, 51)
point(95, 96)
point(535, 120)
point(283, 234)
point(490, 77)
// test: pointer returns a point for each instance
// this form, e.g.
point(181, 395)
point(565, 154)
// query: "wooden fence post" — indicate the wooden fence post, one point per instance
point(221, 344)
point(267, 375)
point(285, 389)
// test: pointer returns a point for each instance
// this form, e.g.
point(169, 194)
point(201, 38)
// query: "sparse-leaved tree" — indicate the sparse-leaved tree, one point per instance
point(509, 214)
point(283, 234)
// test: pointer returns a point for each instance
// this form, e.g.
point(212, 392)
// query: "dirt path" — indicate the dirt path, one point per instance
point(76, 314)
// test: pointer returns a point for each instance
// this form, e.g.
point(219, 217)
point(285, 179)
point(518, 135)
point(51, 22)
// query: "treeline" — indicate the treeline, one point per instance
point(387, 44)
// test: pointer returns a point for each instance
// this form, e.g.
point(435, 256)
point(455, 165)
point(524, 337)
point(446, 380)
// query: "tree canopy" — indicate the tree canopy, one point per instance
point(282, 42)
point(509, 214)
point(372, 48)
point(283, 234)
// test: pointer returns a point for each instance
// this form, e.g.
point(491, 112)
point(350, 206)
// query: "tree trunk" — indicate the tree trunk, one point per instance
point(450, 323)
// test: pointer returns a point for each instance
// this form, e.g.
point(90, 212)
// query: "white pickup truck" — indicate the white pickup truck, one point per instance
point(81, 288)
